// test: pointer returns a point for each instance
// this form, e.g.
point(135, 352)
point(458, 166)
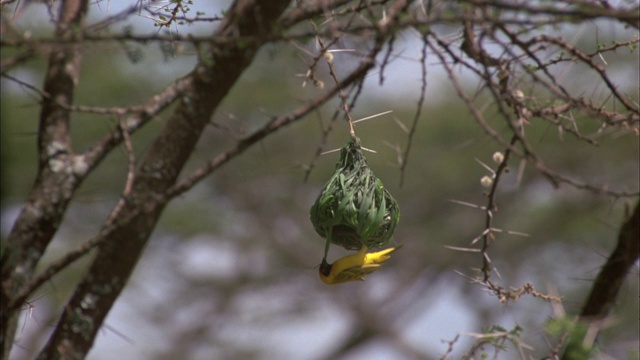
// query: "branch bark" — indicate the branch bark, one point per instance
point(611, 277)
point(609, 281)
point(58, 169)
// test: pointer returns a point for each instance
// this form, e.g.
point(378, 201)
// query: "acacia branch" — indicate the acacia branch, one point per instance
point(566, 9)
point(611, 277)
point(212, 78)
point(57, 177)
point(182, 187)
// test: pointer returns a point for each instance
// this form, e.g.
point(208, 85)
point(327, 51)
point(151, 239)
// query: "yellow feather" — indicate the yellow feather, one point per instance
point(354, 267)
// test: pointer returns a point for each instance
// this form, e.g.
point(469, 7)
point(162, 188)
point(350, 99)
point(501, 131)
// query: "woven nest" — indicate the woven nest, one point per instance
point(354, 208)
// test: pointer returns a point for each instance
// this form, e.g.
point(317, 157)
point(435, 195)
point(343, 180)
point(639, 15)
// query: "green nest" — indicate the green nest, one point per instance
point(354, 208)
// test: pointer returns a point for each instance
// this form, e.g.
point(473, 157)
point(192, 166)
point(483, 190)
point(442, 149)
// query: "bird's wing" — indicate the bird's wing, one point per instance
point(355, 273)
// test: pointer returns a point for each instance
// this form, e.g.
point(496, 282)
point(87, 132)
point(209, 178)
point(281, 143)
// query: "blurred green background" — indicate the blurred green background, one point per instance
point(230, 272)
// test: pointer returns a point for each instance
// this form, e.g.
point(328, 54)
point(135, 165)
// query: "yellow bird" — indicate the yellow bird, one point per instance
point(354, 267)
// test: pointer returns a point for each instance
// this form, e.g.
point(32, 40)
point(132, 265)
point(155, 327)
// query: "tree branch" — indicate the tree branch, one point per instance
point(608, 283)
point(213, 77)
point(56, 180)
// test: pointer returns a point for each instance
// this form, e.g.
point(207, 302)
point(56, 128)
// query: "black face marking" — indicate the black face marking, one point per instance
point(325, 268)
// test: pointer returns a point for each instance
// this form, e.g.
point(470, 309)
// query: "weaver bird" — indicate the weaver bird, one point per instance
point(354, 267)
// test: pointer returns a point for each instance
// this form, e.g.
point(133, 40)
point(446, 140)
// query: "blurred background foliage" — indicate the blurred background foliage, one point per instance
point(231, 270)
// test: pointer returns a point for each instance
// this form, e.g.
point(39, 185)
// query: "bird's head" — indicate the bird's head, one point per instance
point(325, 272)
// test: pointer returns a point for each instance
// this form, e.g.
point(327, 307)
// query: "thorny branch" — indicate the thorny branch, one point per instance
point(423, 94)
point(509, 97)
point(187, 183)
point(131, 172)
point(525, 114)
